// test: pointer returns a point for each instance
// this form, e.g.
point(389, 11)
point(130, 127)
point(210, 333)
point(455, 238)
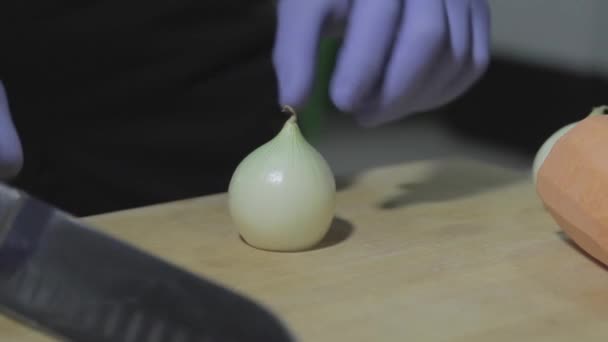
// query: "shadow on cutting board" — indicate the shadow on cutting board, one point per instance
point(339, 231)
point(451, 180)
point(564, 237)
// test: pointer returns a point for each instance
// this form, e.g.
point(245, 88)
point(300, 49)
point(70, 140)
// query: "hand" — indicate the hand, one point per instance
point(398, 56)
point(11, 154)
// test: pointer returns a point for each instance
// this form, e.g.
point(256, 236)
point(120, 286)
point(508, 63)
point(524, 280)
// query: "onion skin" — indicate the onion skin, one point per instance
point(282, 196)
point(573, 183)
point(547, 146)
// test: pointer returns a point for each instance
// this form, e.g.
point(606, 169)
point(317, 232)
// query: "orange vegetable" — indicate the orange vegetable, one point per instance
point(571, 174)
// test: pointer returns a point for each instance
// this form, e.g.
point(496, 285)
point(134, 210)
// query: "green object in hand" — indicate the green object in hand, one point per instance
point(311, 117)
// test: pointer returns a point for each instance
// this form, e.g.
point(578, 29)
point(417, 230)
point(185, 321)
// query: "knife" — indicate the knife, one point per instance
point(72, 282)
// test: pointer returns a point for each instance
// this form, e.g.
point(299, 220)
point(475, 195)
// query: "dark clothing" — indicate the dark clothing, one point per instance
point(125, 103)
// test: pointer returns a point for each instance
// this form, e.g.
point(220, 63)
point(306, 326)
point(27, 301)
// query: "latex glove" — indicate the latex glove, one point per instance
point(11, 153)
point(397, 57)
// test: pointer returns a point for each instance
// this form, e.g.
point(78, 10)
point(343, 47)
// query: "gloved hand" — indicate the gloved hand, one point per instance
point(11, 154)
point(397, 57)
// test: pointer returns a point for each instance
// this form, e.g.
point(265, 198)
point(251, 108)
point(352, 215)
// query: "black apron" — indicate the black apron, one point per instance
point(126, 103)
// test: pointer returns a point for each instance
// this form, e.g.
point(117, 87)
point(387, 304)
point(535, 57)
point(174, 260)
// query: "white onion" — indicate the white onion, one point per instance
point(282, 195)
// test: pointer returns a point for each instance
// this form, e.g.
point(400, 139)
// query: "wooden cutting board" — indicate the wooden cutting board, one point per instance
point(448, 250)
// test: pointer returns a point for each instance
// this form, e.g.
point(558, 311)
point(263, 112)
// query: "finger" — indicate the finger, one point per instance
point(479, 53)
point(299, 27)
point(366, 46)
point(417, 50)
point(481, 35)
point(455, 59)
point(11, 155)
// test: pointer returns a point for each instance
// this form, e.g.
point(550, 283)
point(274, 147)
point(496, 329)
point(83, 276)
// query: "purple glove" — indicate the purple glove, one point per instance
point(11, 154)
point(398, 56)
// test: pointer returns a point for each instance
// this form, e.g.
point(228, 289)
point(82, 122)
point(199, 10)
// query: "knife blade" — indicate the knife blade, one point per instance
point(71, 281)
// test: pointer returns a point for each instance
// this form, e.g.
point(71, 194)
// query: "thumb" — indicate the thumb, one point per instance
point(11, 153)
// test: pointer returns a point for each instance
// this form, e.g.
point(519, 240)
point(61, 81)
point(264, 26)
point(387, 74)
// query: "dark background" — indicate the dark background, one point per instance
point(121, 104)
point(517, 105)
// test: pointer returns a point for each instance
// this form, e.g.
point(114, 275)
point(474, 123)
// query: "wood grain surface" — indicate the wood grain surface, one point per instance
point(445, 250)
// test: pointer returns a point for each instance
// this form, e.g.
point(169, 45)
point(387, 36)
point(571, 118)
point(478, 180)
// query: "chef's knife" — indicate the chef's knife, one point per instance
point(71, 281)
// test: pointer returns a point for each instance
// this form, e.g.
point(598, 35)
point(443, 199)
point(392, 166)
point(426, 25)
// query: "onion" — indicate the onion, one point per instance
point(282, 195)
point(546, 147)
